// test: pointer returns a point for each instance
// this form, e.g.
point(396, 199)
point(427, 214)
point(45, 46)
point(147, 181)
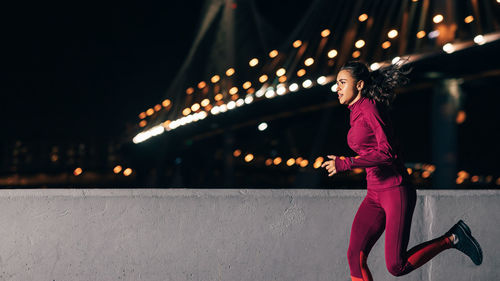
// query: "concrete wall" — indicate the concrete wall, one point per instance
point(144, 234)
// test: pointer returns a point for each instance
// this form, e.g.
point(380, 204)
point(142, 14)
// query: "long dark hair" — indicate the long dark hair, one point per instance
point(379, 84)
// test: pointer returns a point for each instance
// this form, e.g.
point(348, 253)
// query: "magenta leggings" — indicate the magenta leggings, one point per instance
point(389, 209)
point(392, 210)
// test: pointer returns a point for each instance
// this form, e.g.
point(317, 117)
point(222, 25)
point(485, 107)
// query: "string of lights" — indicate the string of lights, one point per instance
point(417, 170)
point(294, 68)
point(118, 169)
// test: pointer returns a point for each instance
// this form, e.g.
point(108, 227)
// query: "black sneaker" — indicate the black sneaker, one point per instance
point(466, 243)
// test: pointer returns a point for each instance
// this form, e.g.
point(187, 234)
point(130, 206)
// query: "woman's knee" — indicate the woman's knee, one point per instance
point(395, 269)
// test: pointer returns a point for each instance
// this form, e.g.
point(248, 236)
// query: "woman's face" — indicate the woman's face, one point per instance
point(348, 89)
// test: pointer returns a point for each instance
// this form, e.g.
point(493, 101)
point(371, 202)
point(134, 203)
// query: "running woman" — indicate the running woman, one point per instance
point(390, 198)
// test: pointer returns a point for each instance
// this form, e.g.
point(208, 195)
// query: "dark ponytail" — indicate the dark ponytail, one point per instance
point(379, 84)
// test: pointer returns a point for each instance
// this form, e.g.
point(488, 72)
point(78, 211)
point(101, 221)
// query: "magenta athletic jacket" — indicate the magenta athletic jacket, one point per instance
point(371, 137)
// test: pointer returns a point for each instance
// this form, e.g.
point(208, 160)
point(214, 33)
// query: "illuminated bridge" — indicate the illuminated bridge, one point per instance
point(255, 107)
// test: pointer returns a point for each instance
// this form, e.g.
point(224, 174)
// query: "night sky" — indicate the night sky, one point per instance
point(72, 70)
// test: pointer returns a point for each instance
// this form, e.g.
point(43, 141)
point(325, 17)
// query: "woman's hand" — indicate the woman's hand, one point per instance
point(330, 165)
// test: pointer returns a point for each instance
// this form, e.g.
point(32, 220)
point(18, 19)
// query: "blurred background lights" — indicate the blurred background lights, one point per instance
point(298, 160)
point(117, 169)
point(433, 34)
point(202, 85)
point(309, 62)
point(253, 62)
point(233, 90)
point(230, 72)
point(386, 45)
point(325, 33)
point(321, 80)
point(479, 39)
point(461, 116)
point(334, 88)
point(449, 48)
point(421, 34)
point(166, 103)
point(215, 110)
point(301, 72)
point(489, 179)
point(393, 33)
point(205, 102)
point(215, 79)
point(231, 105)
point(260, 93)
point(248, 157)
point(157, 130)
point(280, 72)
point(374, 66)
point(469, 19)
point(297, 43)
point(273, 54)
point(332, 53)
point(359, 44)
point(195, 107)
point(270, 93)
point(395, 60)
point(363, 17)
point(357, 170)
point(237, 153)
point(307, 83)
point(277, 160)
point(248, 99)
point(78, 171)
point(281, 90)
point(263, 78)
point(127, 172)
point(437, 18)
point(474, 178)
point(294, 87)
point(262, 126)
